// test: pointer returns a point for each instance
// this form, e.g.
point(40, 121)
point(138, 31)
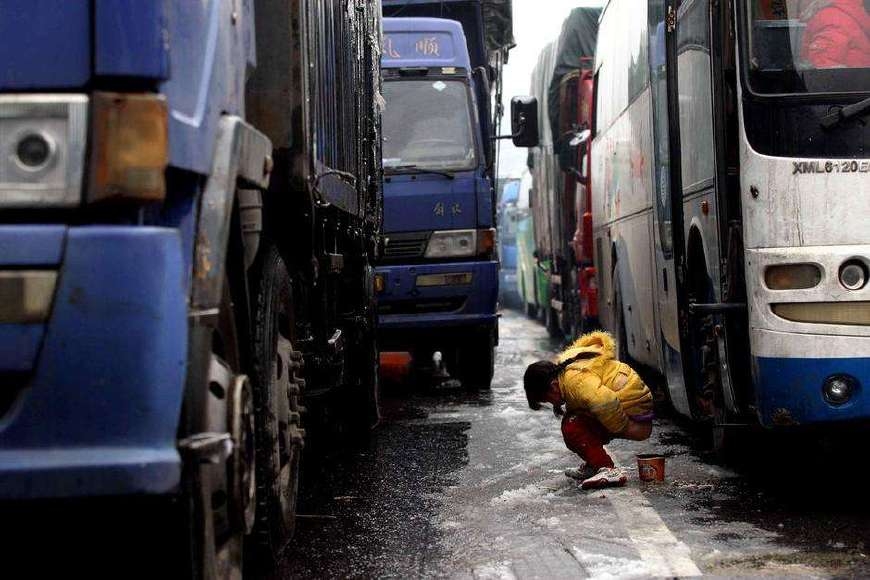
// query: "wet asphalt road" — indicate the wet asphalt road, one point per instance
point(470, 485)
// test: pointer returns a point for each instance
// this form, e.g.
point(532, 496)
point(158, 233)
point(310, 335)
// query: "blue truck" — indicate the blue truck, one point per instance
point(439, 270)
point(191, 204)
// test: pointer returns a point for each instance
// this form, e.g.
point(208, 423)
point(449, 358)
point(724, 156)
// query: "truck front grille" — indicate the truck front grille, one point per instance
point(410, 246)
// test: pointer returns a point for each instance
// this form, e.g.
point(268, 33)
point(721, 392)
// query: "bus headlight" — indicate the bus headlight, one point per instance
point(792, 276)
point(838, 389)
point(853, 275)
point(452, 244)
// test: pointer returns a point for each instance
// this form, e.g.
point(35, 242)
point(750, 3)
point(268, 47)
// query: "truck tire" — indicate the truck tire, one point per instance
point(277, 408)
point(361, 408)
point(218, 498)
point(477, 361)
point(371, 386)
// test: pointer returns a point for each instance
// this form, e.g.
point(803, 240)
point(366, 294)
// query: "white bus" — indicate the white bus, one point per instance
point(731, 192)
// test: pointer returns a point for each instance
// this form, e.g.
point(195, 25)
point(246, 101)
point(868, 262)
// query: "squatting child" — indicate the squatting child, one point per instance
point(599, 399)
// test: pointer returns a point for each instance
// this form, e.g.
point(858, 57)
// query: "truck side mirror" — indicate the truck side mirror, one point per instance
point(524, 121)
point(575, 151)
point(580, 141)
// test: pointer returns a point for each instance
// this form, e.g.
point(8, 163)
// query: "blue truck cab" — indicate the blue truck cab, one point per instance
point(438, 273)
point(164, 167)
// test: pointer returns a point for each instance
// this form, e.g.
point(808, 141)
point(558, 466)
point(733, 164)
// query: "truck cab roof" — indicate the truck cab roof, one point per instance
point(424, 42)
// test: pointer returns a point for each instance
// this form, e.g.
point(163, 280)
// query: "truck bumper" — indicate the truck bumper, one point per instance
point(93, 393)
point(410, 313)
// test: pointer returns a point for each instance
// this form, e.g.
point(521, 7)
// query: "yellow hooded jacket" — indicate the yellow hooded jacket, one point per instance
point(602, 386)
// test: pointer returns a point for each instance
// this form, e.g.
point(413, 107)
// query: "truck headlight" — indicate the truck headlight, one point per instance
point(452, 244)
point(42, 150)
point(35, 150)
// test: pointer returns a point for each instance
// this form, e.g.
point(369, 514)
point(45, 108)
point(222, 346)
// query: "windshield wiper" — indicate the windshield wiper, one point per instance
point(843, 114)
point(418, 169)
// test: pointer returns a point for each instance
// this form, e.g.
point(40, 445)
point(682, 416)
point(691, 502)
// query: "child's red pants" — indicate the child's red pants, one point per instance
point(586, 437)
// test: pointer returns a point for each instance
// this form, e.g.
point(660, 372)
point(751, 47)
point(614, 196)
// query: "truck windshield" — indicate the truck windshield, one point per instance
point(807, 46)
point(428, 125)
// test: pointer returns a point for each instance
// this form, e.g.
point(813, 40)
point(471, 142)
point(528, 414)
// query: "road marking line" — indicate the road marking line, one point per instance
point(658, 547)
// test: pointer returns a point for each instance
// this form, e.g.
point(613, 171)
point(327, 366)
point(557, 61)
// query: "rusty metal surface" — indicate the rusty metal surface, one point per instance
point(240, 152)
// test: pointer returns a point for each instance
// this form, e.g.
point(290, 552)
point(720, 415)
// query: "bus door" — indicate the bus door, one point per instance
point(702, 159)
point(694, 230)
point(668, 224)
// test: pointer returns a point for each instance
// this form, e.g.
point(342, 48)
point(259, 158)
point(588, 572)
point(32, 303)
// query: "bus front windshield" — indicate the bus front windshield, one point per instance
point(807, 46)
point(428, 125)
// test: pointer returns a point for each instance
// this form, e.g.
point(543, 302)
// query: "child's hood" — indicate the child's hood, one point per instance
point(598, 342)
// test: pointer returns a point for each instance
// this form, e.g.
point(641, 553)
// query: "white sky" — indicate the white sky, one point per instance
point(536, 23)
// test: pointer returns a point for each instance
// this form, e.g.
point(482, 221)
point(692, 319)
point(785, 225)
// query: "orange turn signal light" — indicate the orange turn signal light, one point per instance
point(485, 241)
point(129, 147)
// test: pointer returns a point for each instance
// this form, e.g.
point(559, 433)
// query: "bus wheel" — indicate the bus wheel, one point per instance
point(707, 401)
point(723, 437)
point(619, 325)
point(277, 403)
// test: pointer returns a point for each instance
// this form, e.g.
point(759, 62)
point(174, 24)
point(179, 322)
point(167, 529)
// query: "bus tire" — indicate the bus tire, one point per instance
point(622, 353)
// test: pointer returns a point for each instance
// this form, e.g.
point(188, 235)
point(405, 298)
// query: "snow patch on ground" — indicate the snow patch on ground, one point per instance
point(497, 571)
point(451, 525)
point(604, 567)
point(511, 411)
point(530, 494)
point(552, 522)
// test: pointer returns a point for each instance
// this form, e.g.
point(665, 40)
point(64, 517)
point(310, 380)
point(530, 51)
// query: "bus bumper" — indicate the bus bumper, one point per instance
point(792, 359)
point(410, 313)
point(790, 391)
point(93, 391)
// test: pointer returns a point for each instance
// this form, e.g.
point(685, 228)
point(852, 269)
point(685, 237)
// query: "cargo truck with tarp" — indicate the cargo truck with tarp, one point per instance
point(191, 201)
point(544, 174)
point(573, 289)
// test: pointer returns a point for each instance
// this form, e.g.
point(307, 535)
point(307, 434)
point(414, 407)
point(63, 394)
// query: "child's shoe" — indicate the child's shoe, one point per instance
point(606, 477)
point(585, 471)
